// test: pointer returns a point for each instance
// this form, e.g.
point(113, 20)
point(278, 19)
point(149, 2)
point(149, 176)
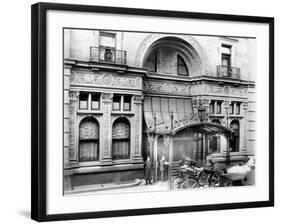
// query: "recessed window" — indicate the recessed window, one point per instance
point(231, 108)
point(88, 140)
point(226, 59)
point(121, 139)
point(83, 101)
point(238, 108)
point(182, 68)
point(127, 103)
point(151, 62)
point(218, 107)
point(212, 107)
point(95, 104)
point(116, 102)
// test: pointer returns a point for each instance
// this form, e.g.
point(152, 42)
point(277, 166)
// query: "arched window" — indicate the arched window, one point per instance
point(182, 68)
point(88, 140)
point(151, 62)
point(234, 138)
point(121, 139)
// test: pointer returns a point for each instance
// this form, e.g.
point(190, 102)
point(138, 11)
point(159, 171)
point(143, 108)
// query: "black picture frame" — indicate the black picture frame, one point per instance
point(39, 108)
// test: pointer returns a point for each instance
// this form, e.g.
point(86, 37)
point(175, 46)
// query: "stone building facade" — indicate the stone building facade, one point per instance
point(128, 95)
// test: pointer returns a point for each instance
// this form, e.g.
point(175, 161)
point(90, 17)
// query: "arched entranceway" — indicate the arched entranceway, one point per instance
point(173, 55)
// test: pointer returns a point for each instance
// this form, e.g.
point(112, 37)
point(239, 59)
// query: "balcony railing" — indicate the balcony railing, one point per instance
point(107, 55)
point(229, 72)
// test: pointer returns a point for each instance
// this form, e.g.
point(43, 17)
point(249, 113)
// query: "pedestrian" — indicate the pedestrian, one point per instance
point(163, 164)
point(148, 170)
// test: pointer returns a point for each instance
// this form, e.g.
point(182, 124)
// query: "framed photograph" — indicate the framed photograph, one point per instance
point(138, 111)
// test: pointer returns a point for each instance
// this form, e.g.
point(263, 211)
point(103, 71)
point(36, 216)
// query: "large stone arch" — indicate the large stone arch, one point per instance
point(192, 47)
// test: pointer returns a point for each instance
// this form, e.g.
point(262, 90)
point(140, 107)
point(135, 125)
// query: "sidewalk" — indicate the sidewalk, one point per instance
point(125, 187)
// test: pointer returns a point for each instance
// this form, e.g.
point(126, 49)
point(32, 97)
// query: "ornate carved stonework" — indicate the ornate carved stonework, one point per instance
point(194, 48)
point(162, 87)
point(225, 90)
point(88, 130)
point(71, 134)
point(107, 97)
point(245, 106)
point(96, 79)
point(138, 99)
point(138, 128)
point(106, 124)
point(226, 104)
point(73, 95)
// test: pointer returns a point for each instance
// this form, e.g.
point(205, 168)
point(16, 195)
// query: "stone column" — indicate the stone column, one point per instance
point(226, 109)
point(226, 105)
point(243, 129)
point(171, 153)
point(106, 128)
point(73, 127)
point(155, 149)
point(67, 70)
point(136, 152)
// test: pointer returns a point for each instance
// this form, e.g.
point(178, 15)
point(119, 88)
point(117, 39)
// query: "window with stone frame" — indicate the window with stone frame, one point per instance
point(238, 108)
point(88, 140)
point(181, 66)
point(127, 102)
point(121, 139)
point(116, 102)
point(231, 108)
point(212, 107)
point(218, 107)
point(95, 101)
point(83, 101)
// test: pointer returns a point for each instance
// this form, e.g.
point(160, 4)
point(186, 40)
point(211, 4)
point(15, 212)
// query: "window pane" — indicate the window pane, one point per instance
point(237, 108)
point(127, 103)
point(225, 49)
point(226, 60)
point(121, 139)
point(95, 102)
point(182, 68)
point(83, 101)
point(88, 150)
point(218, 107)
point(120, 149)
point(231, 108)
point(116, 102)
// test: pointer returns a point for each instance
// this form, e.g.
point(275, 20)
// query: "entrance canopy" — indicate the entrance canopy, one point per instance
point(159, 112)
point(205, 127)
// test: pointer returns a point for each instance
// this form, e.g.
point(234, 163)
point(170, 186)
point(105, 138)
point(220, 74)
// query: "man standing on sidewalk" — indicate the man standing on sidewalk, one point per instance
point(148, 170)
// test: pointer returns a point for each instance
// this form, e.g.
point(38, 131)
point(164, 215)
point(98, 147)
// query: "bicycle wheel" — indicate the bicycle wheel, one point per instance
point(176, 182)
point(189, 183)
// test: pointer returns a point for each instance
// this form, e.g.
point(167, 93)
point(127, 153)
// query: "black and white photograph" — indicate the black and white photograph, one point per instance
point(150, 112)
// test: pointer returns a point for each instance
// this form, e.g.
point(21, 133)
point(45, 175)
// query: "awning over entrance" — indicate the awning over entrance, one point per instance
point(158, 111)
point(162, 108)
point(205, 127)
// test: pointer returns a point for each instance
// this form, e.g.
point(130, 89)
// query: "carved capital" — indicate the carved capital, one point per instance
point(226, 104)
point(245, 106)
point(138, 99)
point(73, 95)
point(107, 97)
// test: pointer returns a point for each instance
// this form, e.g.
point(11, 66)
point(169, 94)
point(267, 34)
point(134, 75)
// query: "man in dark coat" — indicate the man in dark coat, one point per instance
point(148, 170)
